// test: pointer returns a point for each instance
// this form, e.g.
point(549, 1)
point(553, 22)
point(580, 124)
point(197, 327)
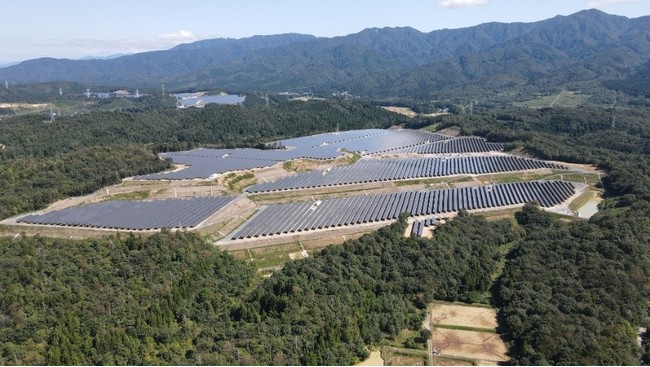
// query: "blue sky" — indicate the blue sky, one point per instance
point(79, 28)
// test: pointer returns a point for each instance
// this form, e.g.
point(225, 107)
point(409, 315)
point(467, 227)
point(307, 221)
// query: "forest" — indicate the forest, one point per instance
point(567, 291)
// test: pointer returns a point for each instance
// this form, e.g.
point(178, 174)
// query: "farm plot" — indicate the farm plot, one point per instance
point(463, 315)
point(467, 332)
point(470, 344)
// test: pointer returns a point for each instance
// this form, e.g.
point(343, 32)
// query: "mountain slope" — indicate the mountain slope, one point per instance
point(589, 46)
point(148, 68)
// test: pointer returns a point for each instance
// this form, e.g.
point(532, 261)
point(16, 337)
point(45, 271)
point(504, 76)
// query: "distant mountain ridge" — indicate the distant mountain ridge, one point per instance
point(587, 46)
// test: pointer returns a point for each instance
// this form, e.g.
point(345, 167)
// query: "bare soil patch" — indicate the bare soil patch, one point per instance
point(271, 173)
point(453, 314)
point(24, 105)
point(452, 131)
point(373, 360)
point(483, 346)
point(470, 344)
point(442, 361)
point(401, 360)
point(401, 110)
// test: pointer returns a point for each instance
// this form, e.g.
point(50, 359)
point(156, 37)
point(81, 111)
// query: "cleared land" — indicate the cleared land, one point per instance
point(562, 99)
point(403, 357)
point(465, 332)
point(470, 344)
point(410, 113)
point(461, 315)
point(373, 360)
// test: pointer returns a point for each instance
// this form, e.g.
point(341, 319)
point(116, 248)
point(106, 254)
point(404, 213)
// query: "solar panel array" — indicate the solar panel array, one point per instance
point(298, 217)
point(205, 163)
point(390, 141)
point(417, 230)
point(323, 140)
point(381, 170)
point(135, 215)
point(469, 144)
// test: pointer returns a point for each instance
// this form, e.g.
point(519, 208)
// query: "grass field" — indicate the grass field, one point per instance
point(434, 181)
point(582, 200)
point(403, 357)
point(562, 99)
point(274, 256)
point(134, 195)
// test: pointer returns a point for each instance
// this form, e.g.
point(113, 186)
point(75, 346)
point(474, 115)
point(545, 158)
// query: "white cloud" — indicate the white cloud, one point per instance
point(21, 48)
point(597, 3)
point(180, 36)
point(449, 4)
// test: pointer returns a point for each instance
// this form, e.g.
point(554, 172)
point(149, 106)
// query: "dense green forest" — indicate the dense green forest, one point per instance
point(41, 162)
point(574, 293)
point(637, 84)
point(173, 298)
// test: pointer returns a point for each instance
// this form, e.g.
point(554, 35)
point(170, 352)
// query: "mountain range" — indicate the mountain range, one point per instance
point(586, 47)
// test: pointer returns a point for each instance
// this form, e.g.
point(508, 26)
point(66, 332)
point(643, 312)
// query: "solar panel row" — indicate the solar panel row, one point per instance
point(373, 170)
point(391, 140)
point(204, 167)
point(135, 215)
point(457, 145)
point(417, 230)
point(298, 217)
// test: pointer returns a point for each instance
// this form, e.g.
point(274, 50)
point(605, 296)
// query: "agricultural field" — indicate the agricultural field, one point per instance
point(467, 333)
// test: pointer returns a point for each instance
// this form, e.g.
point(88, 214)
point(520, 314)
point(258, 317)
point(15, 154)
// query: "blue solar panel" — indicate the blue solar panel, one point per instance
point(298, 217)
point(380, 170)
point(135, 215)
